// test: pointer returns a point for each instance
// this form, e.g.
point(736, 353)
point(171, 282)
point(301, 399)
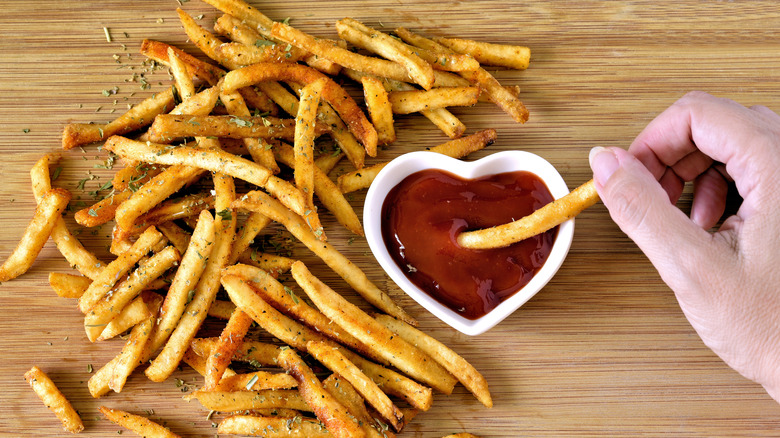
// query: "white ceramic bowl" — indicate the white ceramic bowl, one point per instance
point(499, 162)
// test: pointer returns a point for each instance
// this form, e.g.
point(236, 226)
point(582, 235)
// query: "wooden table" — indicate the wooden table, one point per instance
point(602, 350)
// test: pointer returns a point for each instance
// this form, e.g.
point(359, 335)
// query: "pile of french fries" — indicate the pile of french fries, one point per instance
point(175, 248)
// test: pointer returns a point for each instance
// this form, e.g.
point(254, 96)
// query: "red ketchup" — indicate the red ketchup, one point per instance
point(423, 215)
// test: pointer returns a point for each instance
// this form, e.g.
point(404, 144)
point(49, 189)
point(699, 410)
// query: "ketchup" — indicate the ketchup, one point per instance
point(423, 215)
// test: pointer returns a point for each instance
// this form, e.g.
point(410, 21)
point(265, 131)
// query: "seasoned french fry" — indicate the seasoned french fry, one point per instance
point(221, 309)
point(70, 247)
point(222, 354)
point(242, 55)
point(47, 213)
point(235, 104)
point(198, 363)
point(175, 234)
point(504, 55)
point(110, 305)
point(451, 361)
point(346, 394)
point(190, 269)
point(68, 285)
point(242, 400)
point(272, 427)
point(205, 40)
point(134, 313)
point(142, 114)
point(407, 102)
point(271, 263)
point(383, 44)
point(303, 151)
point(332, 413)
point(335, 361)
point(190, 205)
point(181, 76)
point(158, 51)
point(51, 396)
point(541, 220)
point(379, 108)
point(249, 351)
point(260, 202)
point(254, 223)
point(102, 211)
point(136, 423)
point(352, 319)
point(132, 352)
point(332, 93)
point(458, 148)
point(256, 381)
point(327, 191)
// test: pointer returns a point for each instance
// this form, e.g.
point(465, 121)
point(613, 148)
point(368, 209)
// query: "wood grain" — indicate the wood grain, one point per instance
point(602, 350)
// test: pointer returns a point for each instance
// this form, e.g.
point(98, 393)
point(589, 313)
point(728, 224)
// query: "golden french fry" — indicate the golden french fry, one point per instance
point(236, 106)
point(173, 209)
point(198, 363)
point(451, 361)
point(332, 358)
point(326, 190)
point(47, 213)
point(68, 285)
point(407, 102)
point(458, 148)
point(142, 114)
point(384, 45)
point(133, 351)
point(303, 151)
point(549, 216)
point(102, 211)
point(222, 354)
point(158, 51)
point(111, 304)
point(272, 427)
point(332, 93)
point(182, 78)
point(245, 236)
point(260, 202)
point(221, 401)
point(204, 40)
point(379, 108)
point(242, 55)
point(255, 352)
point(353, 320)
point(176, 235)
point(187, 275)
point(51, 396)
point(118, 268)
point(167, 127)
point(256, 381)
point(205, 291)
point(134, 313)
point(271, 263)
point(332, 413)
point(221, 309)
point(136, 423)
point(346, 394)
point(504, 55)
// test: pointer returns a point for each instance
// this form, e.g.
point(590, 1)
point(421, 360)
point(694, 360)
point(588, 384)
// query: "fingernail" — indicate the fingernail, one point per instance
point(604, 163)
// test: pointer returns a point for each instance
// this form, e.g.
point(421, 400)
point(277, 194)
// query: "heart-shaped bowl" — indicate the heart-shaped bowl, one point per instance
point(509, 161)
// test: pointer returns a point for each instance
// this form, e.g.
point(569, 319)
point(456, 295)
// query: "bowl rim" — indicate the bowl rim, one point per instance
point(499, 162)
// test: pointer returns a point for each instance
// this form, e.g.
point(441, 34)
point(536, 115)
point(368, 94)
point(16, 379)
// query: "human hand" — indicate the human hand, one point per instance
point(726, 281)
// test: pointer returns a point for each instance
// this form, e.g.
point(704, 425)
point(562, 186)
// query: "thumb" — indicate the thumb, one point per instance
point(641, 208)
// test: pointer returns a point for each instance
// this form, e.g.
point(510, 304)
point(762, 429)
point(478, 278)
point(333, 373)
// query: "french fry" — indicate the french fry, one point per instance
point(243, 55)
point(379, 108)
point(271, 263)
point(182, 78)
point(158, 51)
point(172, 209)
point(332, 413)
point(245, 236)
point(132, 352)
point(198, 363)
point(136, 423)
point(192, 264)
point(384, 45)
point(346, 394)
point(102, 211)
point(458, 148)
point(236, 105)
point(545, 218)
point(504, 55)
point(327, 192)
point(221, 309)
point(451, 361)
point(47, 213)
point(256, 381)
point(209, 159)
point(176, 235)
point(303, 151)
point(167, 127)
point(249, 351)
point(134, 313)
point(205, 291)
point(111, 304)
point(142, 114)
point(399, 353)
point(70, 247)
point(68, 285)
point(260, 202)
point(272, 427)
point(222, 354)
point(332, 93)
point(283, 299)
point(221, 401)
point(51, 396)
point(205, 40)
point(335, 361)
point(407, 102)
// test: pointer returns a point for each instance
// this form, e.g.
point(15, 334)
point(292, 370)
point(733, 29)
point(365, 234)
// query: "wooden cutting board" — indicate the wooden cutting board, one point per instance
point(602, 350)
